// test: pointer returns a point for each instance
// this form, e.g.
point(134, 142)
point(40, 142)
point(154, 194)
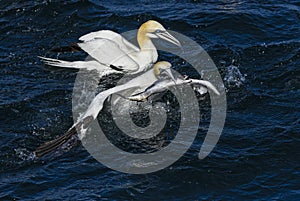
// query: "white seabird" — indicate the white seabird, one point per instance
point(109, 52)
point(151, 82)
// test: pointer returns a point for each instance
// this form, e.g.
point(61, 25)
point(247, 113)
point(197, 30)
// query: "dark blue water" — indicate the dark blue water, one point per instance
point(256, 47)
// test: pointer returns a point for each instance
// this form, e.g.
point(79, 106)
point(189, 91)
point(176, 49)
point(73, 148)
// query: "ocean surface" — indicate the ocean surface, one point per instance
point(256, 48)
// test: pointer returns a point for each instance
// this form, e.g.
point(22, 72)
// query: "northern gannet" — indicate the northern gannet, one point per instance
point(148, 83)
point(109, 52)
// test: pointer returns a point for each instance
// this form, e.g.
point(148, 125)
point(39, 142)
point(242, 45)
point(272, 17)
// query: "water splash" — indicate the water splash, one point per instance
point(24, 154)
point(233, 77)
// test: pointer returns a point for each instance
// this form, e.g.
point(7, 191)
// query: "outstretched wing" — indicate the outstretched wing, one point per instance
point(110, 48)
point(84, 121)
point(163, 84)
point(110, 35)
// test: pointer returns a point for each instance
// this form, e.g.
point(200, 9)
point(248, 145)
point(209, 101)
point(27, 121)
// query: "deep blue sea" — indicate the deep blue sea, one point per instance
point(256, 48)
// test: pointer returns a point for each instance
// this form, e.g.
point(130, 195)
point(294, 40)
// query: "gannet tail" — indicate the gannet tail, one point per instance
point(65, 64)
point(88, 64)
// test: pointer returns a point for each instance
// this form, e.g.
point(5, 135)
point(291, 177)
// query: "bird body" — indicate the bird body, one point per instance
point(146, 84)
point(109, 52)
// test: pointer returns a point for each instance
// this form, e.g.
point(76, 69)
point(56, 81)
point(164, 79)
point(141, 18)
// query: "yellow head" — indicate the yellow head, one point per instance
point(153, 29)
point(160, 66)
point(163, 67)
point(151, 26)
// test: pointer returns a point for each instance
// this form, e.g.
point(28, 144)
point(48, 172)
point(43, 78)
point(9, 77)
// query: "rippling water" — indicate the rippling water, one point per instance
point(256, 47)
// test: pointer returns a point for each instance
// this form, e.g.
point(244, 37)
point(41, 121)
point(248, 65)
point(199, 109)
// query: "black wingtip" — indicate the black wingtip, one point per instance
point(115, 68)
point(54, 144)
point(71, 48)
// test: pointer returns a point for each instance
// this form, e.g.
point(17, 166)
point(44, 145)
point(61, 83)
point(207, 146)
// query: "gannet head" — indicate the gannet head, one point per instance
point(162, 67)
point(153, 29)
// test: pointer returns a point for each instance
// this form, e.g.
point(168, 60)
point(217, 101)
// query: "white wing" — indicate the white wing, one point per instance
point(111, 49)
point(110, 35)
point(93, 110)
point(109, 53)
point(162, 85)
point(141, 82)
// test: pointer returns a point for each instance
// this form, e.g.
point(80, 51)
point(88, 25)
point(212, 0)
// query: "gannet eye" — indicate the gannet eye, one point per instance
point(158, 31)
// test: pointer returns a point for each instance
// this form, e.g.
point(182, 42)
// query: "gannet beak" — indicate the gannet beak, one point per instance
point(168, 37)
point(170, 74)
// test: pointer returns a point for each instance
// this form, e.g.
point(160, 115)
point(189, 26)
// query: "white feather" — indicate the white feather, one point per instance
point(89, 65)
point(108, 53)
